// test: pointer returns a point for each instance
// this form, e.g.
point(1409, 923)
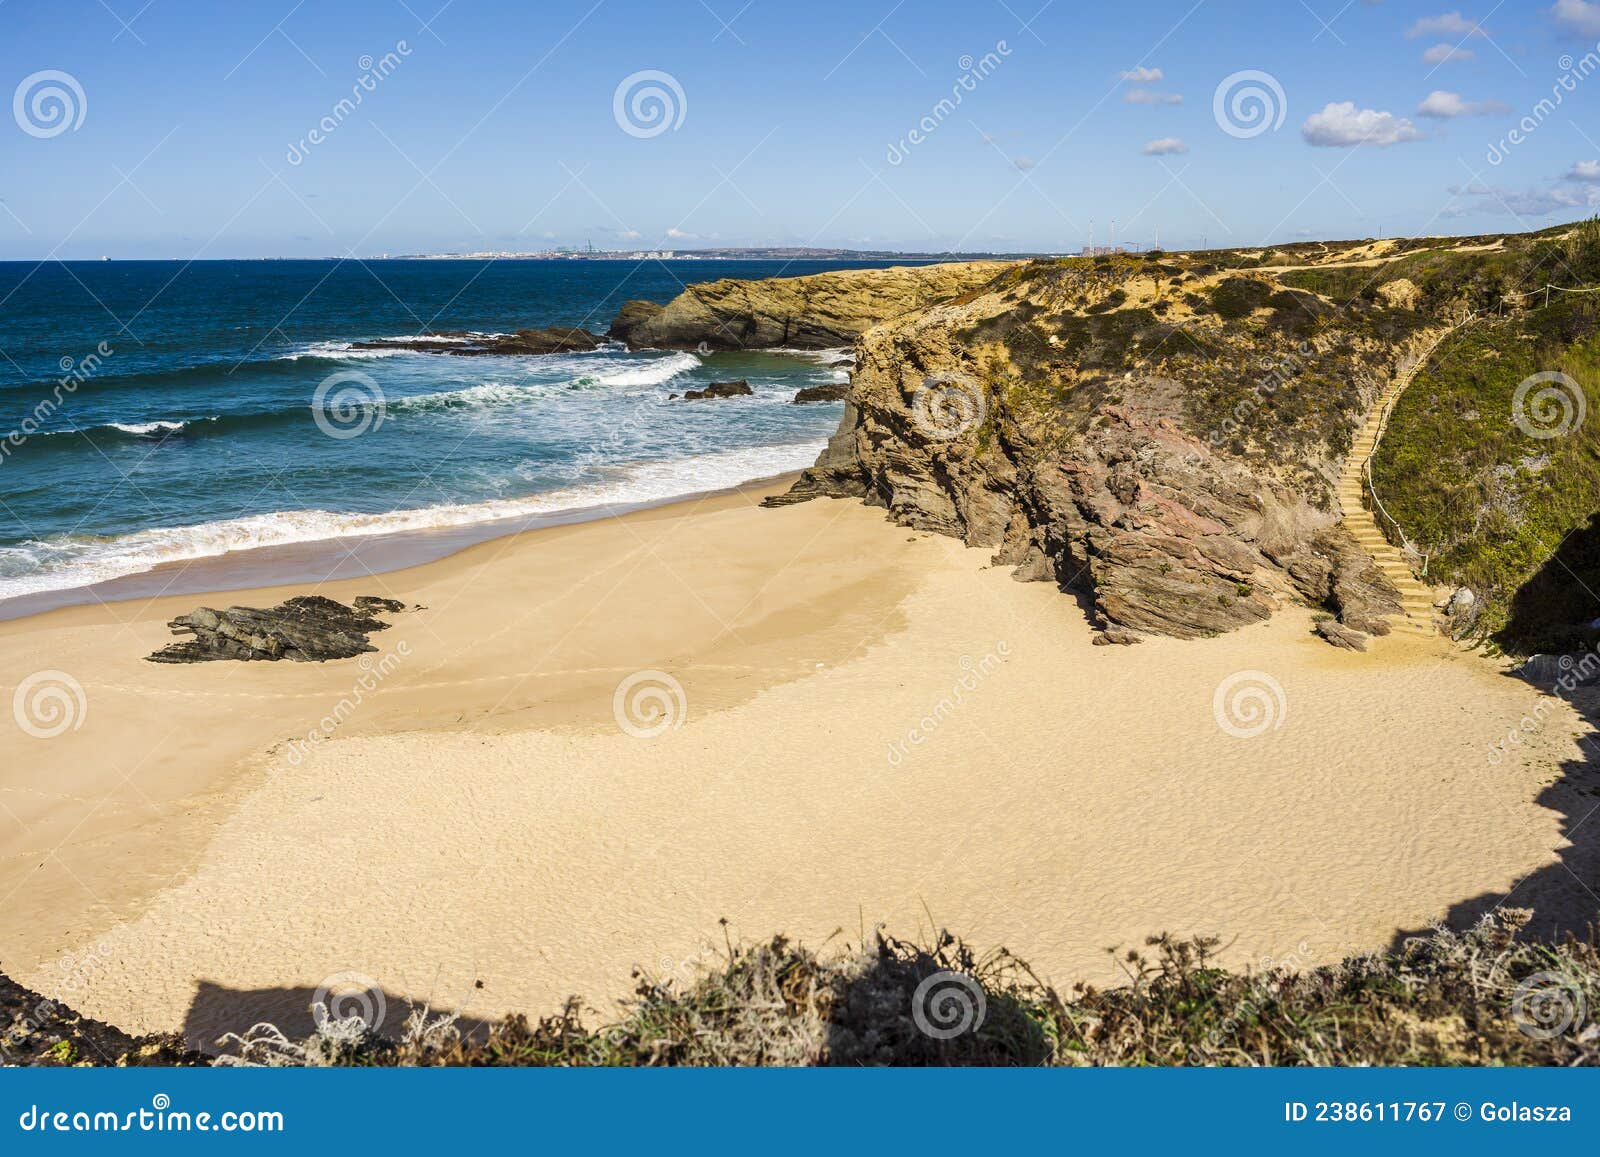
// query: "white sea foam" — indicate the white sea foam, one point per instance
point(145, 427)
point(487, 394)
point(441, 338)
point(825, 355)
point(338, 351)
point(652, 373)
point(74, 561)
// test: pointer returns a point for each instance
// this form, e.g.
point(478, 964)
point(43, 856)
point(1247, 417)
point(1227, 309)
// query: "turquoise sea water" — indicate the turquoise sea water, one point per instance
point(156, 412)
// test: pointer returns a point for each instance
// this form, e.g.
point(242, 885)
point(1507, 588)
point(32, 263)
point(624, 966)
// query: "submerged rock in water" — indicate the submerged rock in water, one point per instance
point(550, 340)
point(736, 389)
point(308, 629)
point(832, 392)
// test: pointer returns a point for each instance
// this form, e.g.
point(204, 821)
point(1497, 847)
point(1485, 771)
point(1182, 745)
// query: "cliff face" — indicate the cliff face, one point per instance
point(818, 311)
point(1160, 434)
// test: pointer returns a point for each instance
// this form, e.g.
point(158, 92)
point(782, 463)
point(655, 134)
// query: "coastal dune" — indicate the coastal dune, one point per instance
point(857, 724)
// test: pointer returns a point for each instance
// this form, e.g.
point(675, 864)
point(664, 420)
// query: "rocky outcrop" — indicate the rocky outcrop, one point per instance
point(1341, 636)
point(1103, 426)
point(831, 392)
point(1337, 573)
point(551, 340)
point(738, 389)
point(818, 311)
point(309, 629)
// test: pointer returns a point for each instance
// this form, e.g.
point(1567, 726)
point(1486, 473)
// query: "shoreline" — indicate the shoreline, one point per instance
point(336, 559)
point(874, 725)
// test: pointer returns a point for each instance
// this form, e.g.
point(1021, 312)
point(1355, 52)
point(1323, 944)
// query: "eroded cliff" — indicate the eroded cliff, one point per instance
point(1159, 433)
point(817, 311)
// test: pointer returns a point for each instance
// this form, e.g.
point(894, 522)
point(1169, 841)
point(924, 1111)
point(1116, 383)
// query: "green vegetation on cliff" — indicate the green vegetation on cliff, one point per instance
point(1488, 468)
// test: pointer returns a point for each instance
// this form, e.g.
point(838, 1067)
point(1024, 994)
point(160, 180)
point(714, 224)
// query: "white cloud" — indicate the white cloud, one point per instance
point(1450, 24)
point(1580, 16)
point(1341, 125)
point(1527, 202)
point(678, 234)
point(1144, 75)
point(1164, 147)
point(1024, 164)
point(1442, 105)
point(1584, 171)
point(1442, 53)
point(1150, 96)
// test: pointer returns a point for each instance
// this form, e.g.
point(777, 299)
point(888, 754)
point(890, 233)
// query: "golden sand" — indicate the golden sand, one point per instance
point(874, 726)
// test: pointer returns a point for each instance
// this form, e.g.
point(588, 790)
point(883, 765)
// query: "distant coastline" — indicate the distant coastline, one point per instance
point(747, 253)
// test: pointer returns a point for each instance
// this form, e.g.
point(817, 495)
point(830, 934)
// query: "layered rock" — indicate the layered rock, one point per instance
point(308, 629)
point(817, 311)
point(1129, 431)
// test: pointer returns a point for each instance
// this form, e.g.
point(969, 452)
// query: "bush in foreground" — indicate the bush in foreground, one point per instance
point(1482, 997)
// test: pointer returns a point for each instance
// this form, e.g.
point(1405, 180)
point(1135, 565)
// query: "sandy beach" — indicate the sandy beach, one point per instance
point(874, 727)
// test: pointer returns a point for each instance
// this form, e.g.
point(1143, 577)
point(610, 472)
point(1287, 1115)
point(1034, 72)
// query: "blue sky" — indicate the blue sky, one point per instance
point(497, 124)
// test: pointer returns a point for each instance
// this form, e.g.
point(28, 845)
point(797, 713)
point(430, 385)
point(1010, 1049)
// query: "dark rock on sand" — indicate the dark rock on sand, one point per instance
point(308, 629)
point(832, 392)
point(1560, 673)
point(738, 389)
point(551, 340)
point(1341, 636)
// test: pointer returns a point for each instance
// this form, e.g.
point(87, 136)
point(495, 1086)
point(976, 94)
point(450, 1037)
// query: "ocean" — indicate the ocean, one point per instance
point(158, 413)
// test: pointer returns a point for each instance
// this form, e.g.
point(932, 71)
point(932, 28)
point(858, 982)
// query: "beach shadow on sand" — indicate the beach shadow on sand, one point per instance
point(1564, 896)
point(217, 1011)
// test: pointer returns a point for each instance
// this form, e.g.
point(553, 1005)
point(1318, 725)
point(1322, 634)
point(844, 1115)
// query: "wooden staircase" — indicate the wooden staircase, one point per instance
point(1415, 600)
